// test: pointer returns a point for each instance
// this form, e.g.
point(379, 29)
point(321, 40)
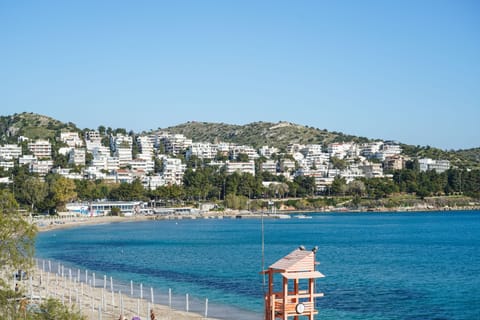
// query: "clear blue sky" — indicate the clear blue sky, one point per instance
point(401, 70)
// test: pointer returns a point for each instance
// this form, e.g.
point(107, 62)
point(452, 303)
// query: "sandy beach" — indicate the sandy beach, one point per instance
point(96, 302)
point(93, 301)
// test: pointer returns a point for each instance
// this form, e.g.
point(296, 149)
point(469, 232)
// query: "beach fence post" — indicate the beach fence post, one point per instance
point(63, 270)
point(186, 305)
point(121, 302)
point(206, 308)
point(104, 281)
point(141, 290)
point(99, 312)
point(151, 295)
point(58, 268)
point(113, 300)
point(30, 286)
point(131, 287)
point(93, 275)
point(49, 266)
point(86, 276)
point(43, 265)
point(78, 275)
point(70, 274)
point(170, 298)
point(111, 284)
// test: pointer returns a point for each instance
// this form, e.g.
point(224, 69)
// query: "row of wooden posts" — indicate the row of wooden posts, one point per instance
point(62, 275)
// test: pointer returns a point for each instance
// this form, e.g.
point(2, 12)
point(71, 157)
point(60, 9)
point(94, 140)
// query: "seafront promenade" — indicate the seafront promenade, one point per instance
point(97, 297)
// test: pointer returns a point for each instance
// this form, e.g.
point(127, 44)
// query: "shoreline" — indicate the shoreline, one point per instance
point(59, 222)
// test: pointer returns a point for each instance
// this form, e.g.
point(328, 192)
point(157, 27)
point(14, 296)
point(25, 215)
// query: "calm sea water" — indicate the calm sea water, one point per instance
point(377, 266)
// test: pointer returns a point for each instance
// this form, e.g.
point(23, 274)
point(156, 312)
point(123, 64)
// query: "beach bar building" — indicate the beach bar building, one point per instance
point(103, 208)
point(296, 297)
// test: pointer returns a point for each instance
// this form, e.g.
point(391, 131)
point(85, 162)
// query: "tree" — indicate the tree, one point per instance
point(339, 186)
point(17, 238)
point(101, 129)
point(62, 191)
point(33, 191)
point(356, 188)
point(242, 157)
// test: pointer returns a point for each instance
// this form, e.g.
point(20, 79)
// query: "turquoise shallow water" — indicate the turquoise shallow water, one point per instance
point(377, 266)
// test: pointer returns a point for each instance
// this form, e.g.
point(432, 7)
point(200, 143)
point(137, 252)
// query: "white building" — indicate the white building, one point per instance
point(71, 139)
point(27, 159)
point(106, 163)
point(173, 170)
point(93, 136)
point(153, 182)
point(41, 149)
point(311, 149)
point(176, 143)
point(372, 170)
point(146, 147)
point(370, 149)
point(241, 167)
point(142, 165)
point(124, 156)
point(339, 150)
point(120, 141)
point(202, 150)
point(41, 167)
point(6, 165)
point(270, 166)
point(249, 151)
point(10, 151)
point(267, 151)
point(438, 166)
point(77, 157)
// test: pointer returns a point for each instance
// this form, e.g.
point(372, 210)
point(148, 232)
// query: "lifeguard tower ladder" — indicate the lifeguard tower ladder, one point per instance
point(298, 300)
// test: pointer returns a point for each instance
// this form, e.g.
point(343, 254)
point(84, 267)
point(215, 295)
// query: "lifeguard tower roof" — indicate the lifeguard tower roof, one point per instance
point(299, 260)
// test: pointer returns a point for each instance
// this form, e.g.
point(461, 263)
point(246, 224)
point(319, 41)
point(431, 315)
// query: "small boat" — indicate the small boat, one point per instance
point(302, 216)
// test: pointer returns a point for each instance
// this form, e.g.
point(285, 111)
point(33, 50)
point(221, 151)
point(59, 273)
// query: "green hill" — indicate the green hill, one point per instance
point(258, 134)
point(31, 125)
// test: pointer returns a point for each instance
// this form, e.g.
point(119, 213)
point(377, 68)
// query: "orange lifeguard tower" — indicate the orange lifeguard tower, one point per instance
point(295, 299)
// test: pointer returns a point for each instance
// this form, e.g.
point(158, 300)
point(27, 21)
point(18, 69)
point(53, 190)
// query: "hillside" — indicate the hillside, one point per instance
point(31, 125)
point(258, 134)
